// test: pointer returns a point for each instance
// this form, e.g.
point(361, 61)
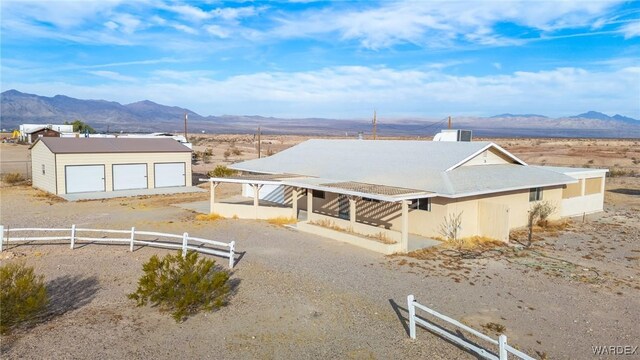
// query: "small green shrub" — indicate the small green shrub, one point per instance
point(13, 178)
point(221, 171)
point(182, 285)
point(23, 296)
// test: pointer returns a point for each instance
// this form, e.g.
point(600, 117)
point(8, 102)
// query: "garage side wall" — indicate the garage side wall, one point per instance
point(108, 160)
point(42, 156)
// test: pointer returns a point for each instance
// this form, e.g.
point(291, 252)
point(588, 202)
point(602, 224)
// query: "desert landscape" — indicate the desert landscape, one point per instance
point(298, 295)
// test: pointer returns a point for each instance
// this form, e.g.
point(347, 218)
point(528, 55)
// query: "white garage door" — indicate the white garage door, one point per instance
point(84, 178)
point(169, 174)
point(129, 176)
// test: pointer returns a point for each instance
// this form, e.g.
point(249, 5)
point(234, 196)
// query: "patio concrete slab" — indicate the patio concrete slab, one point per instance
point(128, 193)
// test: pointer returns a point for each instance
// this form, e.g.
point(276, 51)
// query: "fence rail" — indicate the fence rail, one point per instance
point(504, 349)
point(187, 242)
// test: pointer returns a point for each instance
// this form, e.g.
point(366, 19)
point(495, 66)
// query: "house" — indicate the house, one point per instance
point(76, 165)
point(26, 129)
point(396, 190)
point(32, 136)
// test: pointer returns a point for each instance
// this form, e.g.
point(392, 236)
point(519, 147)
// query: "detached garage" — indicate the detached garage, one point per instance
point(78, 165)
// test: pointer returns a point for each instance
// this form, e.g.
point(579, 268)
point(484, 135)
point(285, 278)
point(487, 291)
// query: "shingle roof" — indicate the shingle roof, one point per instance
point(420, 165)
point(110, 145)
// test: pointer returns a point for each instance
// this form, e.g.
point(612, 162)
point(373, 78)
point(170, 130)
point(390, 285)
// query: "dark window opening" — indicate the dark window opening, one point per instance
point(421, 204)
point(318, 194)
point(535, 194)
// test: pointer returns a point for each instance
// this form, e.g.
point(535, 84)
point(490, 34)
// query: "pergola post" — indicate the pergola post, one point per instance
point(256, 198)
point(309, 204)
point(404, 243)
point(352, 210)
point(212, 200)
point(294, 202)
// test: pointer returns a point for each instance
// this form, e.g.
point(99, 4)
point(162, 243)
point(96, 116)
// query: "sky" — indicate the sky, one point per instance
point(420, 59)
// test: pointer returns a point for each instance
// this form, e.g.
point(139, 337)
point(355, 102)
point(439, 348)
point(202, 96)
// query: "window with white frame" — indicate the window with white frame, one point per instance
point(421, 204)
point(535, 194)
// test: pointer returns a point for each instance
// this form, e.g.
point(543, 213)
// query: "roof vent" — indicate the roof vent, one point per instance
point(453, 135)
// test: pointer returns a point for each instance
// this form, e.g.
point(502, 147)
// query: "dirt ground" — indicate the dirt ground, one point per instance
point(302, 296)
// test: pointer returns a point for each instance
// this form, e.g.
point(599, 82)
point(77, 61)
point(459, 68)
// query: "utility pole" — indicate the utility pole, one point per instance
point(185, 128)
point(449, 122)
point(259, 142)
point(375, 125)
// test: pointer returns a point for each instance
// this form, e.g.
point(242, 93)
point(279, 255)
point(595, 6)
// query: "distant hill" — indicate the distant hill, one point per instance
point(146, 116)
point(600, 116)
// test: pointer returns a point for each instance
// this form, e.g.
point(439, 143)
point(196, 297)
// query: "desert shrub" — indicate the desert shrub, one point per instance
point(270, 152)
point(221, 171)
point(282, 220)
point(617, 172)
point(182, 285)
point(226, 154)
point(451, 226)
point(209, 217)
point(22, 294)
point(13, 178)
point(236, 151)
point(540, 212)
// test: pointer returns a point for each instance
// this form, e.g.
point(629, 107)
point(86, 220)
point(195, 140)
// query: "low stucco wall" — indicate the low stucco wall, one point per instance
point(579, 205)
point(362, 242)
point(364, 229)
point(242, 211)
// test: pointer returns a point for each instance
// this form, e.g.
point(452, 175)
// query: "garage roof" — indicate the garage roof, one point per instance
point(110, 145)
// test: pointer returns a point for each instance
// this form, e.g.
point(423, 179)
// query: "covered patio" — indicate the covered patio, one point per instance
point(351, 211)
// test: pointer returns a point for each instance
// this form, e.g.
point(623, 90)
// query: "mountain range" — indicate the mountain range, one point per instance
point(144, 116)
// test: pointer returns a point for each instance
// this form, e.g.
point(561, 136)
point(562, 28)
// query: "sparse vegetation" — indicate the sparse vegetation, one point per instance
point(451, 227)
point(221, 171)
point(81, 127)
point(183, 286)
point(538, 214)
point(379, 237)
point(226, 154)
point(618, 172)
point(236, 151)
point(22, 294)
point(13, 178)
point(282, 221)
point(494, 327)
point(209, 217)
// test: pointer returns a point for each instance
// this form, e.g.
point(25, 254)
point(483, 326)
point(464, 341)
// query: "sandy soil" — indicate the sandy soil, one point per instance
point(302, 296)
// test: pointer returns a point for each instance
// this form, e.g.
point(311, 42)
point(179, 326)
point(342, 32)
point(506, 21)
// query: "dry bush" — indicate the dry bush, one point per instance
point(48, 197)
point(382, 237)
point(221, 171)
point(182, 285)
point(282, 221)
point(477, 243)
point(209, 217)
point(451, 227)
point(13, 178)
point(494, 327)
point(226, 154)
point(540, 212)
point(617, 172)
point(236, 151)
point(23, 296)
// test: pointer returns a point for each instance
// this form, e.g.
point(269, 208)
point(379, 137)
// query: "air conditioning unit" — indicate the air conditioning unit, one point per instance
point(453, 135)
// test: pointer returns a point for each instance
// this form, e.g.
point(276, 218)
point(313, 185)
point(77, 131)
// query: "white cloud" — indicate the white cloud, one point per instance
point(631, 30)
point(217, 31)
point(440, 23)
point(351, 91)
point(185, 28)
point(112, 75)
point(189, 12)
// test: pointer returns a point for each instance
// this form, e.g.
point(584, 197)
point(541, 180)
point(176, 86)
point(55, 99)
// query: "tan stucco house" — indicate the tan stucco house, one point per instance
point(78, 165)
point(398, 190)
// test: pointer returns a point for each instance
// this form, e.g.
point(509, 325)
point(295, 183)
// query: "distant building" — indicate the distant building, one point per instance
point(42, 132)
point(26, 129)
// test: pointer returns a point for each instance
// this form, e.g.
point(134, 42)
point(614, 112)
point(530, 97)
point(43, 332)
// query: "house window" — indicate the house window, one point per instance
point(421, 204)
point(535, 194)
point(43, 172)
point(318, 194)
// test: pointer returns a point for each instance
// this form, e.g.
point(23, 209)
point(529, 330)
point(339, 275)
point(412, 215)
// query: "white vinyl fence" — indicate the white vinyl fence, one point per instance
point(131, 237)
point(503, 348)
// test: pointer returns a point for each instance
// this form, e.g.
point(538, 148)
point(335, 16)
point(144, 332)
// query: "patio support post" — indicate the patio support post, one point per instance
point(256, 198)
point(309, 204)
point(405, 226)
point(212, 200)
point(294, 202)
point(352, 210)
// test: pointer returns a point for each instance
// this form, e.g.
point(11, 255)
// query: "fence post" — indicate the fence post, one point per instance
point(502, 342)
point(133, 233)
point(412, 316)
point(73, 235)
point(2, 237)
point(232, 246)
point(185, 236)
